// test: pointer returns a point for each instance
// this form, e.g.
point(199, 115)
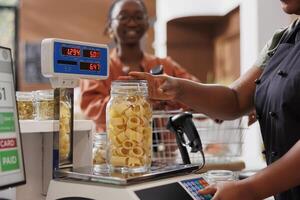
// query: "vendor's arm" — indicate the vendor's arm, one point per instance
point(172, 68)
point(94, 97)
point(276, 178)
point(217, 101)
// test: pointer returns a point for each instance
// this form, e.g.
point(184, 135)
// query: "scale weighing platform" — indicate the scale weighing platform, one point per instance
point(176, 182)
point(65, 62)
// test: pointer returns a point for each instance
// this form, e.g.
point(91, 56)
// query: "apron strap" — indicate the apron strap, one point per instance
point(294, 35)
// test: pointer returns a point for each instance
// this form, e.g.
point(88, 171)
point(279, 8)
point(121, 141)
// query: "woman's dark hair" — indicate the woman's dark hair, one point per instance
point(111, 8)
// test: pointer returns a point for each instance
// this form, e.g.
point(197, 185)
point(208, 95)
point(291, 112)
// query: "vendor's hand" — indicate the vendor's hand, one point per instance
point(232, 190)
point(160, 87)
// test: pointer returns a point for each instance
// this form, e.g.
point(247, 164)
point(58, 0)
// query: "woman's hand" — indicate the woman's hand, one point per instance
point(233, 190)
point(160, 87)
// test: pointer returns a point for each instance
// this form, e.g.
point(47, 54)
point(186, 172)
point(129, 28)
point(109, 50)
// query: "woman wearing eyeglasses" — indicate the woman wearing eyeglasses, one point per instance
point(126, 24)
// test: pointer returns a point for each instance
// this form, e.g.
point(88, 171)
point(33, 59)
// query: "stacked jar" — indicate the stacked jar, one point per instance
point(99, 152)
point(44, 104)
point(129, 127)
point(26, 107)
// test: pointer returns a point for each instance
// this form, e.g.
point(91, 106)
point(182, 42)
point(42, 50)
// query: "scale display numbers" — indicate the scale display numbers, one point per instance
point(89, 66)
point(91, 53)
point(66, 51)
point(87, 53)
point(78, 58)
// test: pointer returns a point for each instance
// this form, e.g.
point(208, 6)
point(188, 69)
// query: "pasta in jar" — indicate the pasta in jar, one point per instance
point(129, 127)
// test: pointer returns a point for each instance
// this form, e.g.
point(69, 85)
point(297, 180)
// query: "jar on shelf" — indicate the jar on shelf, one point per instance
point(129, 127)
point(25, 103)
point(45, 104)
point(99, 149)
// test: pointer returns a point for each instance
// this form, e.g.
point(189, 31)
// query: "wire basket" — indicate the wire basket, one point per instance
point(222, 141)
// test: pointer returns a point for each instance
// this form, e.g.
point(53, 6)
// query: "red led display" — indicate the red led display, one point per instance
point(91, 53)
point(89, 66)
point(66, 51)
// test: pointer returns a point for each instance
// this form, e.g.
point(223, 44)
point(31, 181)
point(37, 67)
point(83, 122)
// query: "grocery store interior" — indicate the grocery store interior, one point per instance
point(70, 130)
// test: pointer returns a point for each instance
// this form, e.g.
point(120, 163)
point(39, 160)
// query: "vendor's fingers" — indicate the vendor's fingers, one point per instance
point(216, 198)
point(147, 76)
point(125, 78)
point(140, 75)
point(212, 189)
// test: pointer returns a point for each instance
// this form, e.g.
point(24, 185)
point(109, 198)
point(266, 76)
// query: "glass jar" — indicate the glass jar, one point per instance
point(25, 102)
point(45, 104)
point(99, 149)
point(215, 176)
point(64, 130)
point(129, 127)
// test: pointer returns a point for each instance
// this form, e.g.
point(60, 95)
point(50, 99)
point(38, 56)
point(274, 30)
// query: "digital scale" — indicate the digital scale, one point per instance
point(64, 62)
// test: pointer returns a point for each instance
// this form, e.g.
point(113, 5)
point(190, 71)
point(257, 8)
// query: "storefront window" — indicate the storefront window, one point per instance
point(8, 2)
point(8, 27)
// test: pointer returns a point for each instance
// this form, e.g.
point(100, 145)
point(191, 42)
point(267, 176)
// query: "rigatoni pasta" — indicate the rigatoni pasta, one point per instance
point(129, 129)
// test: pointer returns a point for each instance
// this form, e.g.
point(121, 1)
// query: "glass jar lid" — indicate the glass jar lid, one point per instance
point(130, 87)
point(45, 95)
point(100, 138)
point(220, 175)
point(24, 96)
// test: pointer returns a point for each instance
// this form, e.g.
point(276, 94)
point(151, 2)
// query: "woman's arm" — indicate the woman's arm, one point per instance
point(172, 68)
point(278, 177)
point(216, 101)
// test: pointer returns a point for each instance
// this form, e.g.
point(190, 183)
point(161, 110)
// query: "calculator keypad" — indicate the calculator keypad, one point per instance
point(193, 185)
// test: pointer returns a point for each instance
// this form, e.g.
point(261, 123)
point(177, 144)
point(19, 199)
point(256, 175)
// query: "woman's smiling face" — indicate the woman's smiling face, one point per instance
point(129, 22)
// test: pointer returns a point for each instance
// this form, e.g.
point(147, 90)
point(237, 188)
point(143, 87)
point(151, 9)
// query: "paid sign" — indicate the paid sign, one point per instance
point(9, 160)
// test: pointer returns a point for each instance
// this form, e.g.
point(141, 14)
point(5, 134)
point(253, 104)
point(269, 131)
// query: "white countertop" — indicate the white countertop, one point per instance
point(35, 126)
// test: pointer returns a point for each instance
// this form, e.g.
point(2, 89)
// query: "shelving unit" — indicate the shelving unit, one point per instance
point(37, 140)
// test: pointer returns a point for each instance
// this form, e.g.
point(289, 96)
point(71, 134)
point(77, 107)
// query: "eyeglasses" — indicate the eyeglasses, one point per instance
point(124, 19)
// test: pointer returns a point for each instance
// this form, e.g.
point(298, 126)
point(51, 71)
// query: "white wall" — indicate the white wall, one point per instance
point(271, 17)
point(258, 20)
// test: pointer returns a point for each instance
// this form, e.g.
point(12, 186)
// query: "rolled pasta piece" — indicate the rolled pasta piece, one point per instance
point(138, 110)
point(136, 152)
point(114, 152)
point(121, 151)
point(136, 137)
point(147, 107)
point(116, 129)
point(120, 108)
point(147, 131)
point(114, 140)
point(127, 144)
point(144, 121)
point(121, 137)
point(133, 122)
point(119, 161)
point(129, 131)
point(116, 121)
point(133, 135)
point(113, 113)
point(140, 129)
point(133, 99)
point(134, 162)
point(129, 112)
